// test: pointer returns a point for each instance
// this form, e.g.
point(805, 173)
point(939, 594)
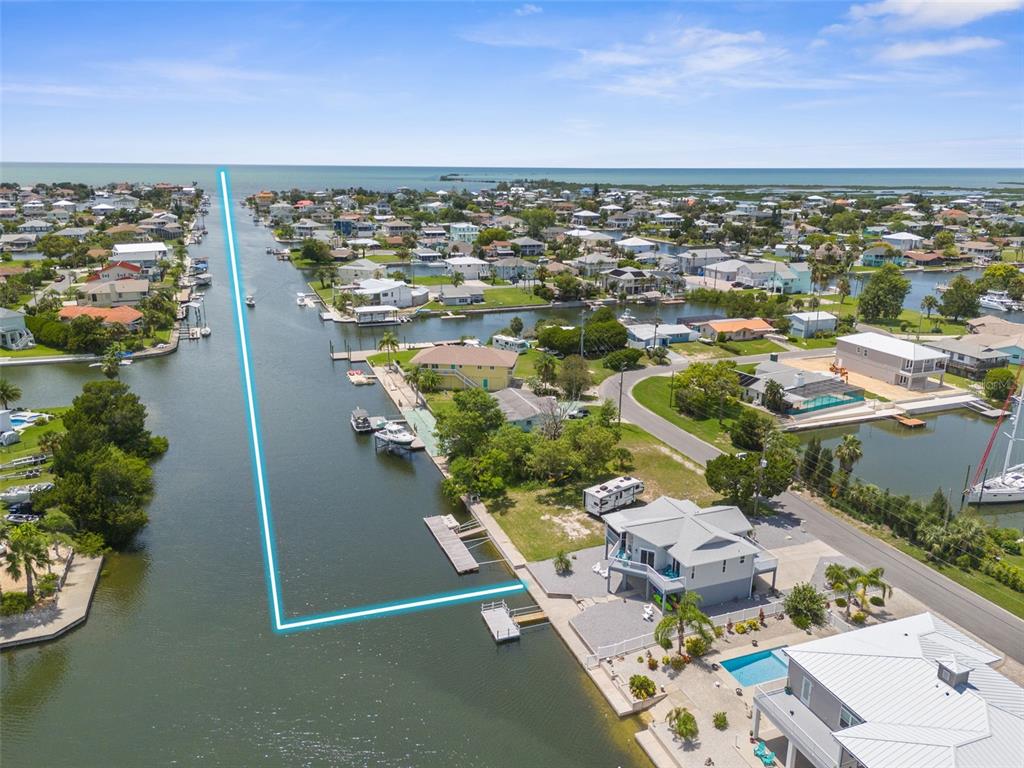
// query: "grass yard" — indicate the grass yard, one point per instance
point(653, 394)
point(542, 520)
point(526, 365)
point(29, 445)
point(751, 347)
point(698, 351)
point(39, 350)
point(911, 317)
point(402, 357)
point(508, 297)
point(825, 343)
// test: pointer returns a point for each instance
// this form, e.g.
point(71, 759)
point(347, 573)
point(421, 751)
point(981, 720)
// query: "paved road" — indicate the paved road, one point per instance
point(988, 621)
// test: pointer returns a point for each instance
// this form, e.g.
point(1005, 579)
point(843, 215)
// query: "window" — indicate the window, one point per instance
point(693, 573)
point(723, 565)
point(647, 557)
point(847, 718)
point(805, 690)
point(743, 559)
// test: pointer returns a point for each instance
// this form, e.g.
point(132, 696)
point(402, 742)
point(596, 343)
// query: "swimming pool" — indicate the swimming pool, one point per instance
point(760, 667)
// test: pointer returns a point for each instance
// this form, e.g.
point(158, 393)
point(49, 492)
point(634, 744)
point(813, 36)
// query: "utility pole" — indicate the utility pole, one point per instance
point(622, 373)
point(583, 328)
point(760, 479)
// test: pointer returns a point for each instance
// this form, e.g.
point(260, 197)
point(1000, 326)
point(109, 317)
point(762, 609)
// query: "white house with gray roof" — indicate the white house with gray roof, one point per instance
point(672, 546)
point(905, 693)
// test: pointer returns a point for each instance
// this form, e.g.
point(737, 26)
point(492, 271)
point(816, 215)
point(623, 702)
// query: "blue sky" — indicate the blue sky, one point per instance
point(873, 83)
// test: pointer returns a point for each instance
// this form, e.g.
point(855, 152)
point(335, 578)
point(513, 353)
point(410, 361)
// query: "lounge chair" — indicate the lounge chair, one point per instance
point(596, 568)
point(765, 755)
point(604, 573)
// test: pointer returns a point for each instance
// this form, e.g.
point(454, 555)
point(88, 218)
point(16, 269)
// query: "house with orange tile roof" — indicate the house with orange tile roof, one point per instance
point(735, 329)
point(129, 317)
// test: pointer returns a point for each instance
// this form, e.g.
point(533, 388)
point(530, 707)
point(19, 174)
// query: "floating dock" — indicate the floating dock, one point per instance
point(906, 421)
point(506, 623)
point(459, 555)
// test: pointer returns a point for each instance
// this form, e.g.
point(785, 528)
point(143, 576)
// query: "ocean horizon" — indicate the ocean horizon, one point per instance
point(250, 178)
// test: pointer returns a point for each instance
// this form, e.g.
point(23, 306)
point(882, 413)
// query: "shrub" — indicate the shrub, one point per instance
point(696, 645)
point(840, 602)
point(876, 600)
point(741, 628)
point(639, 659)
point(720, 720)
point(14, 603)
point(965, 562)
point(719, 631)
point(642, 687)
point(805, 605)
point(859, 617)
point(562, 563)
point(666, 643)
point(652, 663)
point(665, 661)
point(622, 358)
point(47, 584)
point(754, 625)
point(677, 662)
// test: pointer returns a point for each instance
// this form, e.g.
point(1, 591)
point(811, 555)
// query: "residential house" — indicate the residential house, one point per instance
point(470, 267)
point(432, 236)
point(803, 391)
point(463, 232)
point(513, 268)
point(145, 255)
point(75, 233)
point(637, 245)
point(923, 258)
point(737, 329)
point(115, 270)
point(425, 255)
point(15, 243)
point(528, 247)
point(671, 546)
point(1009, 342)
point(668, 219)
point(13, 333)
point(806, 325)
point(892, 360)
point(129, 317)
point(114, 293)
point(281, 213)
point(584, 219)
point(903, 693)
point(360, 269)
point(305, 228)
point(461, 367)
point(460, 296)
point(979, 249)
point(34, 227)
point(626, 280)
point(397, 228)
point(591, 264)
point(392, 292)
point(970, 358)
point(645, 335)
point(794, 277)
point(903, 241)
point(524, 409)
point(696, 261)
point(877, 255)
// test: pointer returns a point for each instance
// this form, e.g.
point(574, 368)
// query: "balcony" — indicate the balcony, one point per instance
point(664, 582)
point(799, 725)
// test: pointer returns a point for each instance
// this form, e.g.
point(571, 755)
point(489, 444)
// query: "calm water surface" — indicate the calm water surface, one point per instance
point(177, 664)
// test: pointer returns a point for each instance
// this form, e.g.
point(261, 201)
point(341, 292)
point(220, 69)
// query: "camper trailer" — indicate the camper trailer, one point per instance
point(510, 343)
point(620, 492)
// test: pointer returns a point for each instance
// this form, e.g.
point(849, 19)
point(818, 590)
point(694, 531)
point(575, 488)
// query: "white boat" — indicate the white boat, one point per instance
point(250, 301)
point(1008, 487)
point(395, 433)
point(627, 317)
point(360, 421)
point(359, 377)
point(205, 331)
point(204, 278)
point(124, 361)
point(998, 300)
point(20, 493)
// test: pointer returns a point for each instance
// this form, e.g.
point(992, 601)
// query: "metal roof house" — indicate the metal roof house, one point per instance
point(910, 692)
point(671, 546)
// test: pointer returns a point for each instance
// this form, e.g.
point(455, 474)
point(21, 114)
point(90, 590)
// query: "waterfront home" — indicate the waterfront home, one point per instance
point(395, 293)
point(376, 314)
point(608, 496)
point(672, 546)
point(461, 367)
point(892, 360)
point(115, 270)
point(529, 247)
point(470, 267)
point(15, 243)
point(758, 274)
point(637, 245)
point(462, 295)
point(993, 324)
point(805, 325)
point(792, 251)
point(646, 335)
point(789, 278)
point(306, 228)
point(129, 317)
point(513, 268)
point(908, 692)
point(147, 256)
point(524, 409)
point(802, 391)
point(425, 255)
point(627, 280)
point(726, 271)
point(970, 356)
point(1012, 343)
point(396, 228)
point(360, 269)
point(13, 333)
point(432, 235)
point(735, 329)
point(903, 241)
point(923, 258)
point(668, 219)
point(584, 219)
point(463, 232)
point(877, 255)
point(77, 234)
point(591, 264)
point(125, 292)
point(34, 227)
point(695, 261)
point(281, 213)
point(511, 343)
point(979, 249)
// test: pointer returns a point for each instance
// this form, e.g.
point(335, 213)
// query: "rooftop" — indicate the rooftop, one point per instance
point(457, 354)
point(890, 345)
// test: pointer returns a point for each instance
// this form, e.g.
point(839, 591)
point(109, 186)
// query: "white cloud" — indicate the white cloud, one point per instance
point(929, 14)
point(529, 9)
point(910, 51)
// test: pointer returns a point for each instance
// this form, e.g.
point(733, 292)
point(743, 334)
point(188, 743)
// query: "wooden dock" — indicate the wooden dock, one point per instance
point(906, 421)
point(499, 621)
point(459, 555)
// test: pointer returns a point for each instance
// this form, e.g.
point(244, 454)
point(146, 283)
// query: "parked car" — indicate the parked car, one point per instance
point(578, 413)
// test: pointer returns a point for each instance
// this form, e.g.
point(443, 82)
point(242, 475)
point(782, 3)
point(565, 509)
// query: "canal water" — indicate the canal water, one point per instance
point(177, 663)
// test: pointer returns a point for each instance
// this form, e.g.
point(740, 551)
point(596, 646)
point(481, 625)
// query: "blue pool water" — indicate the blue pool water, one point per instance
point(760, 667)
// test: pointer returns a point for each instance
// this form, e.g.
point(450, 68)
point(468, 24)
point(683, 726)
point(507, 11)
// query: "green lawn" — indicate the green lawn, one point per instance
point(653, 394)
point(495, 298)
point(542, 520)
point(751, 347)
point(812, 343)
point(439, 402)
point(433, 280)
point(525, 365)
point(911, 317)
point(699, 351)
point(39, 350)
point(402, 357)
point(29, 445)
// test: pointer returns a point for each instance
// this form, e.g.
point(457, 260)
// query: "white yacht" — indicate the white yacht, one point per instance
point(999, 301)
point(393, 432)
point(1008, 487)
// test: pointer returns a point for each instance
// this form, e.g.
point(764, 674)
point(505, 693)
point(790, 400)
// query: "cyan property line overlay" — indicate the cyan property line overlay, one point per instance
point(259, 477)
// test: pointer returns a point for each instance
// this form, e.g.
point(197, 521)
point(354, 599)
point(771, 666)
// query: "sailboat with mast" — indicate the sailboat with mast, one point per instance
point(1008, 487)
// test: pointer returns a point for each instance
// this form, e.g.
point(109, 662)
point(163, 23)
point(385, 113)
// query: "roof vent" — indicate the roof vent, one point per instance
point(952, 672)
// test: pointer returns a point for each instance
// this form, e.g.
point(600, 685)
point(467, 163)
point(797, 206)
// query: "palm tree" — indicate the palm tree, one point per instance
point(9, 393)
point(872, 579)
point(457, 279)
point(838, 578)
point(325, 273)
point(546, 367)
point(682, 723)
point(429, 380)
point(843, 288)
point(687, 616)
point(929, 304)
point(26, 551)
point(849, 452)
point(49, 441)
point(388, 343)
point(111, 365)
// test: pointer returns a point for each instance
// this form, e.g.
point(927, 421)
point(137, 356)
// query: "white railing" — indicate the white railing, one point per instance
point(662, 581)
point(745, 614)
point(765, 699)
